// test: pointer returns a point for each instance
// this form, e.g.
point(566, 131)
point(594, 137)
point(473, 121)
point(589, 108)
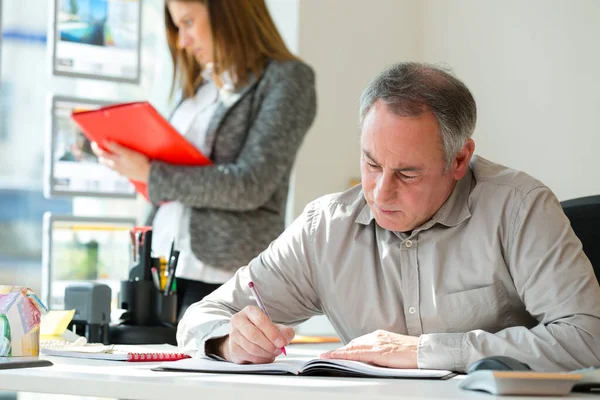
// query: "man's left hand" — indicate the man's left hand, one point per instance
point(382, 348)
point(125, 161)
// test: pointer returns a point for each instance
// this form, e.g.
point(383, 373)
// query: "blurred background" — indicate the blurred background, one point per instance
point(532, 66)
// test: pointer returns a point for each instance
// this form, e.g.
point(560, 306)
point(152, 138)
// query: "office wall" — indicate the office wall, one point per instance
point(285, 14)
point(347, 43)
point(533, 67)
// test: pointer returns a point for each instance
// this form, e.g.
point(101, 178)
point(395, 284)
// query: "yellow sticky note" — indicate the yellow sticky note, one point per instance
point(56, 322)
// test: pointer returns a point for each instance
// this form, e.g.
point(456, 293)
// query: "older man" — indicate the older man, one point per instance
point(438, 259)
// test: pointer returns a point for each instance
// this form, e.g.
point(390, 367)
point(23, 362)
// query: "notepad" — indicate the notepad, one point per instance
point(139, 127)
point(303, 366)
point(521, 383)
point(114, 353)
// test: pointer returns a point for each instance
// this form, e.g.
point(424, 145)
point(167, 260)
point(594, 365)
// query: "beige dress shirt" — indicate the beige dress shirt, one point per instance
point(496, 271)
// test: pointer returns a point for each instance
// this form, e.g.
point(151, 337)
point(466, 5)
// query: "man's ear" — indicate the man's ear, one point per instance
point(463, 158)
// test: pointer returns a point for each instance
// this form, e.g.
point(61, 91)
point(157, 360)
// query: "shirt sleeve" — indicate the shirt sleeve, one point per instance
point(557, 285)
point(287, 110)
point(283, 275)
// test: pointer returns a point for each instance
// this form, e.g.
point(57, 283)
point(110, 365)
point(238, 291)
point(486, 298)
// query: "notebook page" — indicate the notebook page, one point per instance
point(372, 370)
point(279, 366)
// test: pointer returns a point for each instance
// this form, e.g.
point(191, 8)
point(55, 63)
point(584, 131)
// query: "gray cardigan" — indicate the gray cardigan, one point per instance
point(238, 204)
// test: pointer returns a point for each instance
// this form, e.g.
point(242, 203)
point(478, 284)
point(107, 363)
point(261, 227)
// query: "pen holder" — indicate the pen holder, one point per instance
point(138, 298)
point(166, 307)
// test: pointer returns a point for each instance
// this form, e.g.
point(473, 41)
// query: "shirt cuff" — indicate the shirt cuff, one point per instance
point(221, 331)
point(442, 351)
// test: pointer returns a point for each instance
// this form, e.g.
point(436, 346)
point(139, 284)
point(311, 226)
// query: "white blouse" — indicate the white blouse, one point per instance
point(172, 219)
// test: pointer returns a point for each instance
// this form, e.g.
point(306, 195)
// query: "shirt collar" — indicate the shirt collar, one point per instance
point(365, 216)
point(454, 211)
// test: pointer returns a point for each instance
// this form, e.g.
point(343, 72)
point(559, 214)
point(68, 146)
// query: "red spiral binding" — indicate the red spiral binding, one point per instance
point(139, 357)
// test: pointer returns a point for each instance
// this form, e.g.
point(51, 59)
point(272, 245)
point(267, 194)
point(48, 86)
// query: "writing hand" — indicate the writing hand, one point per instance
point(383, 348)
point(123, 160)
point(254, 338)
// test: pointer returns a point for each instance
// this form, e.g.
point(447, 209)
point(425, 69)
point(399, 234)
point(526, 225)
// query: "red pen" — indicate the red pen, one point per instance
point(261, 305)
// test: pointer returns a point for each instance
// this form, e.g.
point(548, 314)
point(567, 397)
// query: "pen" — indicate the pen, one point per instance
point(133, 247)
point(261, 306)
point(138, 245)
point(171, 267)
point(172, 248)
point(155, 278)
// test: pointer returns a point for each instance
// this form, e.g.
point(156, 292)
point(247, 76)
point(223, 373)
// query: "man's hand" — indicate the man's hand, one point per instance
point(123, 160)
point(254, 338)
point(382, 348)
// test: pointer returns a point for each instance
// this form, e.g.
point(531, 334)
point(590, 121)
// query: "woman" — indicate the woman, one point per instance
point(247, 103)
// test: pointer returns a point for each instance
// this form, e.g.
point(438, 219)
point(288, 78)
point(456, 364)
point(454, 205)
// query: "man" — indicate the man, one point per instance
point(440, 258)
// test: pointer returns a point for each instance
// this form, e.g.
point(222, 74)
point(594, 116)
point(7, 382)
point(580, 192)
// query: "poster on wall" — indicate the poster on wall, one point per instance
point(77, 248)
point(97, 39)
point(71, 168)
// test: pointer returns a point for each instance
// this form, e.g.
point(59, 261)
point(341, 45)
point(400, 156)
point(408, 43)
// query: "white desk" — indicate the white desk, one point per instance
point(125, 380)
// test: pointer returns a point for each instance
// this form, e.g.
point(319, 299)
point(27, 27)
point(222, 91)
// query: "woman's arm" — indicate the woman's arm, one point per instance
point(286, 112)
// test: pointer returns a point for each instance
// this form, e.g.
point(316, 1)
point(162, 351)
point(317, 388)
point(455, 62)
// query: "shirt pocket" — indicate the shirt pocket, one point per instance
point(486, 308)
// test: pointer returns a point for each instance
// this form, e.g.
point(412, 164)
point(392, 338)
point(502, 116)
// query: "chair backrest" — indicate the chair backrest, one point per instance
point(584, 214)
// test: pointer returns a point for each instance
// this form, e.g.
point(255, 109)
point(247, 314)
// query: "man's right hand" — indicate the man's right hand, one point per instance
point(254, 338)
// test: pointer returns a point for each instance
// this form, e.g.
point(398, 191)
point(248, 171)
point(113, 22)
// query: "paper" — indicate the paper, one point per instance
point(56, 322)
point(20, 314)
point(54, 332)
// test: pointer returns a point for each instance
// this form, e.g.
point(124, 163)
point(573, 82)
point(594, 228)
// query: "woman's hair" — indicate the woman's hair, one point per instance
point(244, 37)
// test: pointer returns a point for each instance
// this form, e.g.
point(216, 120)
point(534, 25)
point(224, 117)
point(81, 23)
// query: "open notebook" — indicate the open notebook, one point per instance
point(303, 366)
point(113, 353)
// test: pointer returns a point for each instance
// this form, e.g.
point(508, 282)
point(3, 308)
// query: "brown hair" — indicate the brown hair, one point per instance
point(244, 37)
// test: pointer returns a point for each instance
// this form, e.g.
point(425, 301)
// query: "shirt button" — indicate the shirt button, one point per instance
point(412, 310)
point(408, 243)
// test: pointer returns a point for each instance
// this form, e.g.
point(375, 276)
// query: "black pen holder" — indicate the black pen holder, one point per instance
point(138, 298)
point(146, 305)
point(166, 307)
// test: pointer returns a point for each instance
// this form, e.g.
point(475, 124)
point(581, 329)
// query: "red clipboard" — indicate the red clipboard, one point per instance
point(139, 127)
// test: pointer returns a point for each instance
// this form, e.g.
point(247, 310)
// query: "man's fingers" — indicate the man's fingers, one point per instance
point(255, 338)
point(240, 356)
point(287, 332)
point(253, 334)
point(355, 354)
point(253, 348)
point(268, 328)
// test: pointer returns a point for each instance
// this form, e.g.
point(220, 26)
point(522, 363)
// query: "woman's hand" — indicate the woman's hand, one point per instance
point(123, 160)
point(382, 348)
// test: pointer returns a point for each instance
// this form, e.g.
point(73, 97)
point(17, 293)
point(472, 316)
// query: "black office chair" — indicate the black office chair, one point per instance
point(584, 214)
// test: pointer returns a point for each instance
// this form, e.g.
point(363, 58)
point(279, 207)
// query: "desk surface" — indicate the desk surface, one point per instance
point(116, 379)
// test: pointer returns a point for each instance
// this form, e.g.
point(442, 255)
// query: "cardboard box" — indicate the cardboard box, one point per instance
point(20, 315)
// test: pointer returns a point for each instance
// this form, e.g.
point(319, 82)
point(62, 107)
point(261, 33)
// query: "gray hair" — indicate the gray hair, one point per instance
point(411, 88)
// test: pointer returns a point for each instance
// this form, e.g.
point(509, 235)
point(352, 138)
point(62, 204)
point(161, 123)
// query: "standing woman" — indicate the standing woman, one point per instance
point(247, 103)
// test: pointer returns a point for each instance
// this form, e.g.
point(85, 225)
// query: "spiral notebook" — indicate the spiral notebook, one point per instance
point(114, 353)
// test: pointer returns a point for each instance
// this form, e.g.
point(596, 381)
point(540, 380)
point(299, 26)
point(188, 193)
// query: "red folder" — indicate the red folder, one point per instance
point(141, 128)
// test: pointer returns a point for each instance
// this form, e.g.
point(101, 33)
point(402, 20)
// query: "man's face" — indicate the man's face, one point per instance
point(402, 168)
